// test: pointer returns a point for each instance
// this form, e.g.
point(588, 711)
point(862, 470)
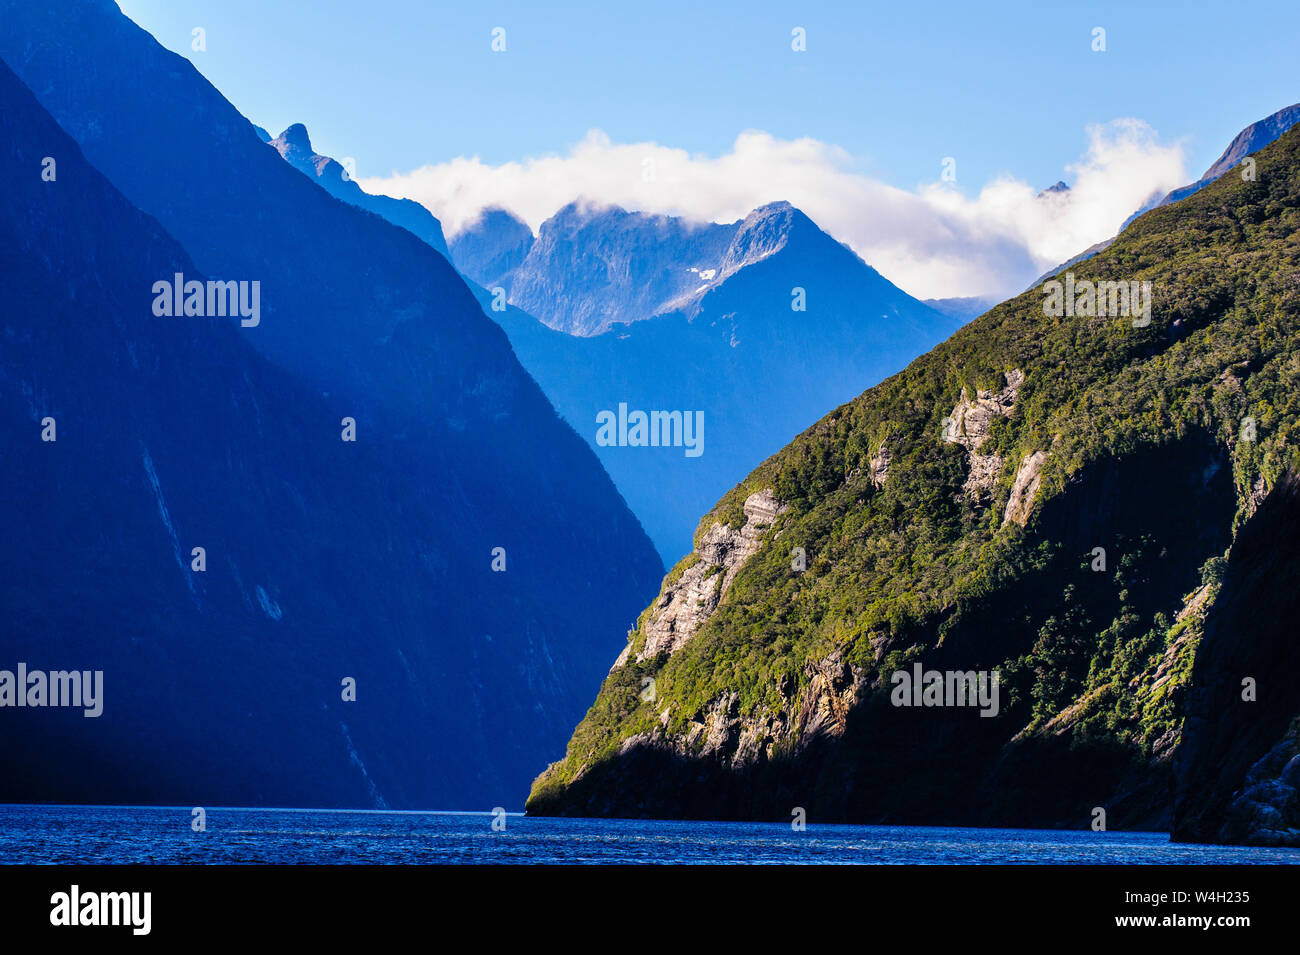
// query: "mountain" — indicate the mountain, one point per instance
point(1100, 512)
point(594, 267)
point(1251, 139)
point(788, 322)
point(295, 146)
point(325, 558)
point(492, 247)
point(1239, 765)
point(961, 309)
point(726, 346)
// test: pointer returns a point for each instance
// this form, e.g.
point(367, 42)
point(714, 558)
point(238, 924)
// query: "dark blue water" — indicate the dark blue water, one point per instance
point(113, 834)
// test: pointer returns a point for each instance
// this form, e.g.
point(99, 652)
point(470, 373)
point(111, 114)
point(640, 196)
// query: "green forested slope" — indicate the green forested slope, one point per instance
point(1158, 443)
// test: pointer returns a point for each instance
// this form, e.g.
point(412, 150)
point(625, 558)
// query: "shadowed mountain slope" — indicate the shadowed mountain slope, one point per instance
point(325, 558)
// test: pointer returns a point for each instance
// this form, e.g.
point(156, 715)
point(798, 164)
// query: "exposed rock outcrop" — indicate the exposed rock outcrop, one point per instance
point(833, 688)
point(983, 474)
point(1025, 488)
point(880, 465)
point(684, 605)
point(969, 425)
point(1266, 812)
point(817, 707)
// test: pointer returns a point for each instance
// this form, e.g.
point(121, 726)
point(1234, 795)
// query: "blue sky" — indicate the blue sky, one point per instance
point(893, 88)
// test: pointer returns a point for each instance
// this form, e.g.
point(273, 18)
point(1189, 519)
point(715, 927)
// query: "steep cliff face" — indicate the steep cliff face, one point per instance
point(326, 558)
point(706, 575)
point(1043, 498)
point(1240, 757)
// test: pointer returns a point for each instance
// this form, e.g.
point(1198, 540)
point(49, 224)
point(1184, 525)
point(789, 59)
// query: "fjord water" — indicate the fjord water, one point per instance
point(151, 834)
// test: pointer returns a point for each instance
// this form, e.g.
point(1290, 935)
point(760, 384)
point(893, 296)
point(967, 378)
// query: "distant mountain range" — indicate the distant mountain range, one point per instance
point(465, 559)
point(757, 326)
point(591, 268)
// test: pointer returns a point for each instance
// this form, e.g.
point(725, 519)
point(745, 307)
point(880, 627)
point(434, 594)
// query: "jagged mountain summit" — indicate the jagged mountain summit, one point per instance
point(1045, 576)
point(465, 555)
point(295, 146)
point(593, 267)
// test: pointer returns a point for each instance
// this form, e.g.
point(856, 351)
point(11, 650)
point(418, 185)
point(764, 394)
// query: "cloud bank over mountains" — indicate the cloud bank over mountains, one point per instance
point(939, 239)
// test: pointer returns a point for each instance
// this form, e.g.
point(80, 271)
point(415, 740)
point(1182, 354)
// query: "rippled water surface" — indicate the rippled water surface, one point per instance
point(119, 834)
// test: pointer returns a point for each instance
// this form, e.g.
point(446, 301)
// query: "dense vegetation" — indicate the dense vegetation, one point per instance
point(1184, 422)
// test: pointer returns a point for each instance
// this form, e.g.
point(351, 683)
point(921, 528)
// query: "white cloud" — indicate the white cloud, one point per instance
point(933, 240)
